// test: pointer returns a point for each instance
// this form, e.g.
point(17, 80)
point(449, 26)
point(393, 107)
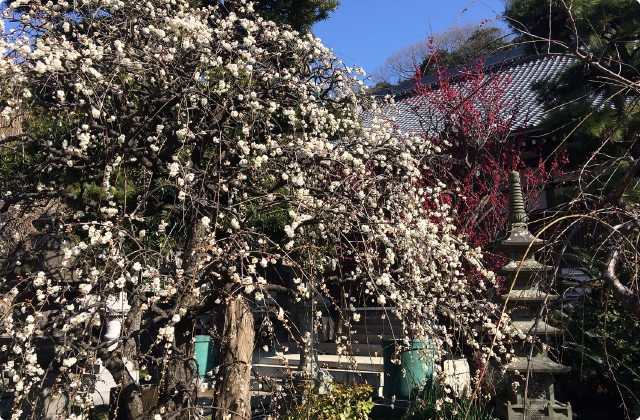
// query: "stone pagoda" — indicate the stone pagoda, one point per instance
point(524, 305)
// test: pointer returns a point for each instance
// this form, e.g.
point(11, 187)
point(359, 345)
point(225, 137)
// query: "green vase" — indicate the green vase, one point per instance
point(205, 353)
point(407, 371)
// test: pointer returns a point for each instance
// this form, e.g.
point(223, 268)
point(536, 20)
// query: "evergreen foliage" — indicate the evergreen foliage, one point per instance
point(583, 100)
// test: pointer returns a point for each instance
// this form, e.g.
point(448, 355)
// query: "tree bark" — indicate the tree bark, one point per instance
point(129, 398)
point(628, 298)
point(178, 392)
point(232, 392)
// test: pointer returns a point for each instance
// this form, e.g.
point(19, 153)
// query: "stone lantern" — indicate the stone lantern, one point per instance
point(114, 316)
point(308, 366)
point(524, 304)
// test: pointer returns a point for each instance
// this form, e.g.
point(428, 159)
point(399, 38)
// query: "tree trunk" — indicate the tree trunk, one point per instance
point(627, 297)
point(179, 389)
point(129, 398)
point(232, 391)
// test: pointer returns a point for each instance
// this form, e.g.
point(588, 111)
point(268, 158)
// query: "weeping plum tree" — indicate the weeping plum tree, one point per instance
point(170, 138)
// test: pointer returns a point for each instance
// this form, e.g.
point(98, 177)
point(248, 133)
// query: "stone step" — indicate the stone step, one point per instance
point(377, 328)
point(330, 361)
point(361, 345)
point(280, 374)
point(360, 349)
point(363, 336)
point(377, 318)
point(375, 313)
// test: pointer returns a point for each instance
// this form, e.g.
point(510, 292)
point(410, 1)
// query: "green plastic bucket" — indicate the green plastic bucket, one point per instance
point(205, 353)
point(413, 366)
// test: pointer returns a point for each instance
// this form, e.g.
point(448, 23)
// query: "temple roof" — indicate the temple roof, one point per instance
point(516, 67)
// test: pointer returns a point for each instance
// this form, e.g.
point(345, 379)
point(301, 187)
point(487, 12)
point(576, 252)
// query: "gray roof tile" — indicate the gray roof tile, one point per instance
point(515, 64)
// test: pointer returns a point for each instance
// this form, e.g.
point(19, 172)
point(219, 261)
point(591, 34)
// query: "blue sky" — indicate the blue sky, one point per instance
point(368, 31)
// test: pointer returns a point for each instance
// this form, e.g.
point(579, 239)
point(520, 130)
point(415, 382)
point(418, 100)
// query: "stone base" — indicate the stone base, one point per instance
point(104, 382)
point(536, 409)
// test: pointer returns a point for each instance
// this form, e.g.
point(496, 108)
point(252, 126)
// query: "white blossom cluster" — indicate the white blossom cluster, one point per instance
point(174, 135)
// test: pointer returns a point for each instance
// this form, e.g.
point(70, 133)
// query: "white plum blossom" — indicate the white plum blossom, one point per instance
point(207, 152)
point(69, 361)
point(85, 288)
point(173, 169)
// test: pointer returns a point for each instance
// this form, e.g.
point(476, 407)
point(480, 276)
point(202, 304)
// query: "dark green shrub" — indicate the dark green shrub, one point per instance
point(345, 402)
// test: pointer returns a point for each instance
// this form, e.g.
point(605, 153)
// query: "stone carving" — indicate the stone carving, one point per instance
point(517, 211)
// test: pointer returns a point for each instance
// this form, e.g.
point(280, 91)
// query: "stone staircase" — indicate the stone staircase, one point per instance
point(356, 369)
point(355, 357)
